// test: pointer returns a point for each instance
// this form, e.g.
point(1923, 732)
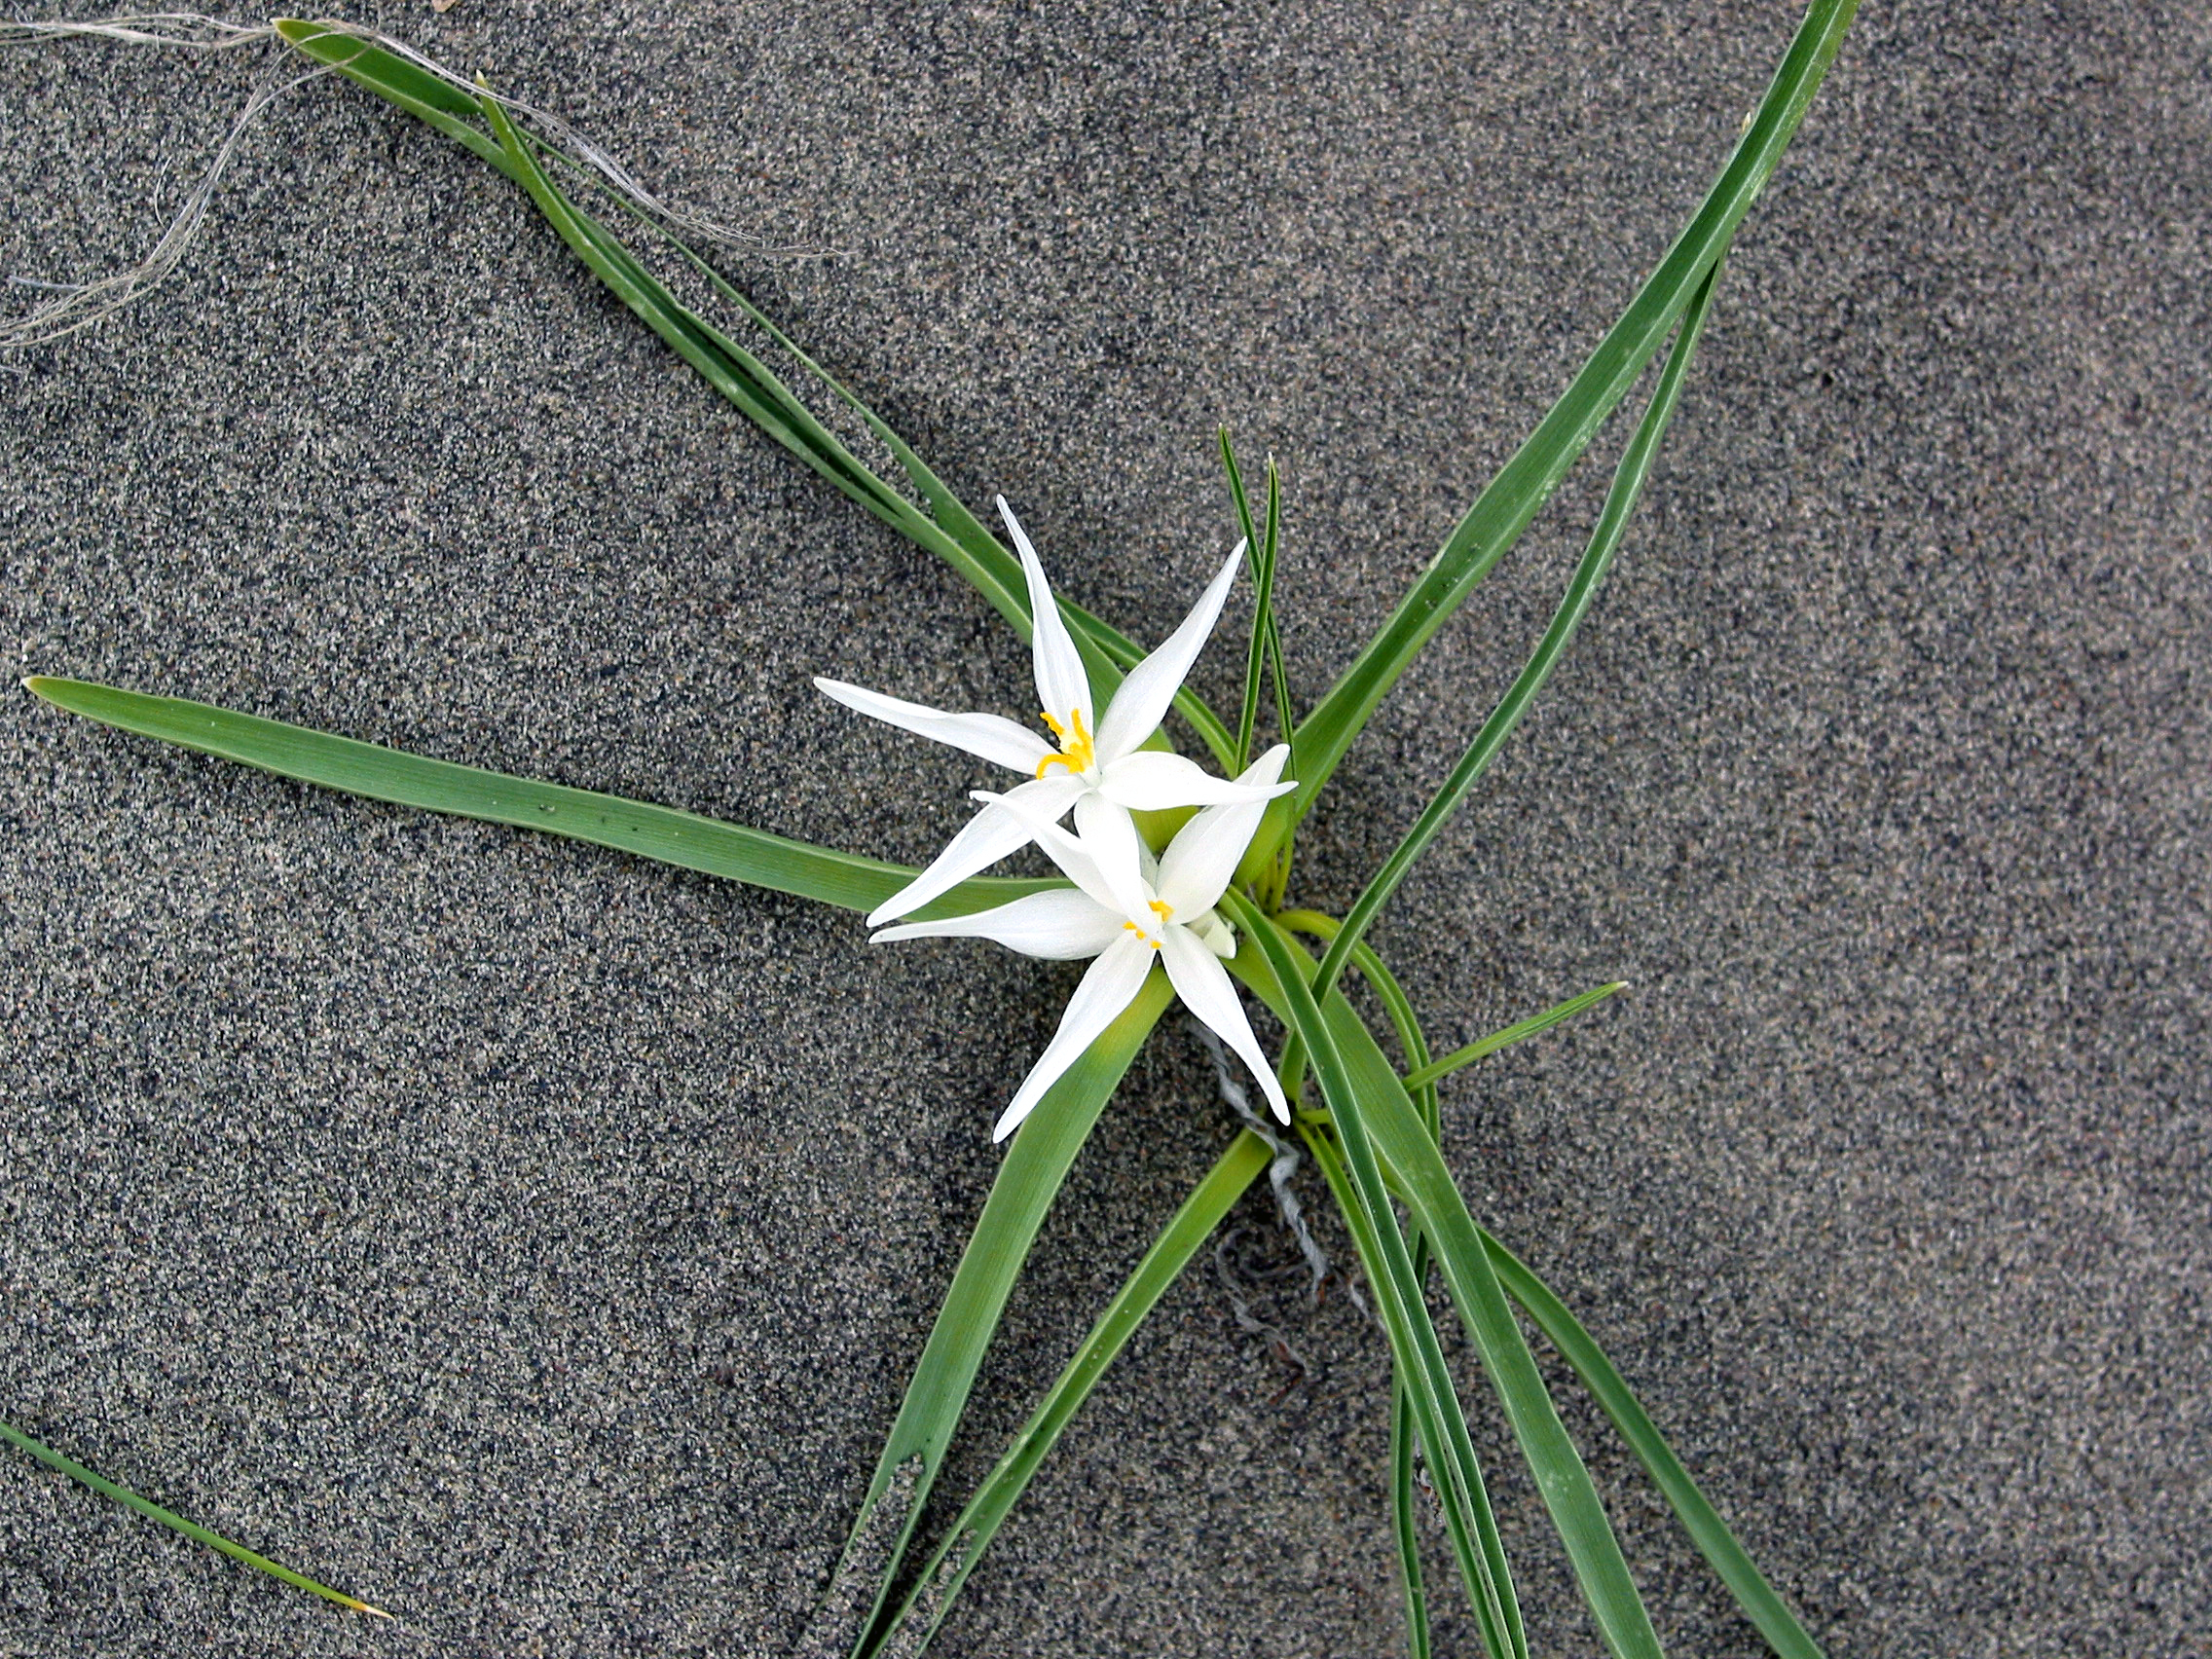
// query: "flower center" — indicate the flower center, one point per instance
point(1075, 746)
point(1158, 907)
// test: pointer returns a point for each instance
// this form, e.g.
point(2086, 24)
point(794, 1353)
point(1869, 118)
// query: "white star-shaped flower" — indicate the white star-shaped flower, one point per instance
point(1128, 910)
point(1096, 767)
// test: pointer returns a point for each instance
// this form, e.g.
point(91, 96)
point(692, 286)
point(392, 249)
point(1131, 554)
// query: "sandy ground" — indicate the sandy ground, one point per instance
point(534, 1240)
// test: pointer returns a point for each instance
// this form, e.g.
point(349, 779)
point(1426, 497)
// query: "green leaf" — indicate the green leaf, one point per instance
point(1277, 972)
point(1036, 1164)
point(972, 550)
point(154, 1511)
point(734, 372)
point(1265, 646)
point(1526, 482)
point(1402, 1521)
point(1714, 1541)
point(926, 1603)
point(1604, 539)
point(1477, 1546)
point(954, 535)
point(1426, 1075)
point(1377, 1122)
point(682, 838)
point(420, 94)
point(1397, 1007)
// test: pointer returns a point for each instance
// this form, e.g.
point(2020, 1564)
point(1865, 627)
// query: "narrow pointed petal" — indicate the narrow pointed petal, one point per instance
point(1197, 863)
point(1141, 702)
point(1111, 986)
point(992, 834)
point(1061, 682)
point(1113, 841)
point(1206, 990)
point(1152, 780)
point(993, 737)
point(1061, 925)
point(1076, 860)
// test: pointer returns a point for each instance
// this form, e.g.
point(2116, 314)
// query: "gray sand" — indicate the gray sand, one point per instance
point(534, 1240)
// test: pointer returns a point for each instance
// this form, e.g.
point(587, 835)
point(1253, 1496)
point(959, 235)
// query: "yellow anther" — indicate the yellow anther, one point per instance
point(1162, 909)
point(1132, 927)
point(1076, 753)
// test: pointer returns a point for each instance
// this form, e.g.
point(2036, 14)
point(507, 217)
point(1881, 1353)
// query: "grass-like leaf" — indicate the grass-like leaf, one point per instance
point(1425, 1076)
point(1521, 486)
point(177, 1523)
point(1582, 588)
point(932, 1594)
point(1376, 1121)
point(992, 564)
point(1036, 1164)
point(1278, 972)
point(662, 833)
point(1398, 1007)
point(1265, 646)
point(954, 534)
point(1714, 1541)
point(1426, 1397)
point(1404, 1522)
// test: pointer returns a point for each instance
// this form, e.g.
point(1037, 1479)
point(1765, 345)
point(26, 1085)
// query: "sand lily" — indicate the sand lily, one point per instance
point(1092, 765)
point(1128, 910)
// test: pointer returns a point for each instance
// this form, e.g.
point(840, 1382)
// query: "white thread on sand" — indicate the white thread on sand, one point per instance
point(74, 305)
point(1285, 1162)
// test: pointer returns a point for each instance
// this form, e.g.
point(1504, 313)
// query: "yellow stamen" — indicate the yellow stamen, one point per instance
point(1162, 909)
point(1132, 927)
point(1076, 753)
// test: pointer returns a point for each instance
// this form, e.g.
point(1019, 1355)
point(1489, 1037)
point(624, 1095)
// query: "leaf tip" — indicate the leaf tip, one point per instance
point(373, 1613)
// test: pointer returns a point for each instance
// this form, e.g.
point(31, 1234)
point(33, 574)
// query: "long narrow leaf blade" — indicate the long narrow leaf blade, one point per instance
point(661, 832)
point(1276, 968)
point(422, 95)
point(967, 544)
point(1365, 1094)
point(1477, 1545)
point(1036, 1164)
point(940, 1580)
point(177, 1523)
point(1597, 559)
point(1714, 1541)
point(1512, 1034)
point(1402, 1523)
point(728, 367)
point(954, 535)
point(1523, 485)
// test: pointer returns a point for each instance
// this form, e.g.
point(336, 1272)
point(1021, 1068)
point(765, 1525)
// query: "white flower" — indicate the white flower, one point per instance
point(1126, 910)
point(1098, 764)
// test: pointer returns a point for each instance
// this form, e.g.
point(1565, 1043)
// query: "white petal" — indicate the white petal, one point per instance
point(1076, 860)
point(1205, 986)
point(1152, 780)
point(1061, 681)
point(1142, 702)
point(1197, 863)
point(1061, 925)
point(1113, 842)
point(987, 838)
point(1111, 986)
point(994, 737)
